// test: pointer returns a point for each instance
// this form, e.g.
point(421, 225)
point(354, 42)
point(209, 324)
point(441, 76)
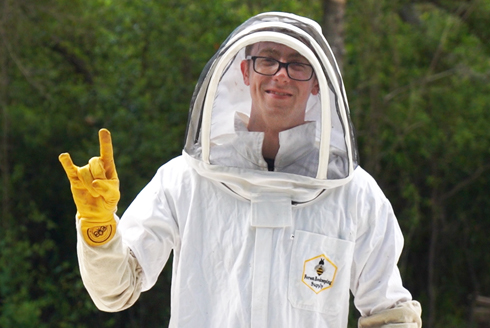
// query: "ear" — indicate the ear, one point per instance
point(244, 66)
point(316, 87)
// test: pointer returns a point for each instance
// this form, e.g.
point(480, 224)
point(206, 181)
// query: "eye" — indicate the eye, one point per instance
point(266, 61)
point(299, 67)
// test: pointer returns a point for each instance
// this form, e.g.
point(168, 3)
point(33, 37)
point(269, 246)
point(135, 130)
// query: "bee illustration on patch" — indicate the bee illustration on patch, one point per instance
point(319, 268)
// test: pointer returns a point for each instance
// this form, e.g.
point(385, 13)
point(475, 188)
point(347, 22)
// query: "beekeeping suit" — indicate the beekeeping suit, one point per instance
point(255, 243)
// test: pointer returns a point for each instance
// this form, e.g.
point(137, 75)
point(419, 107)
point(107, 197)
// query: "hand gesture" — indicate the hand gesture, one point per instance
point(95, 189)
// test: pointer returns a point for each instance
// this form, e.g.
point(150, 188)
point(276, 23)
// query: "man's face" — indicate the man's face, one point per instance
point(278, 102)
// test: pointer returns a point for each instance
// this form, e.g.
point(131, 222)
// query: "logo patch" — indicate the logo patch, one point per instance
point(99, 234)
point(319, 273)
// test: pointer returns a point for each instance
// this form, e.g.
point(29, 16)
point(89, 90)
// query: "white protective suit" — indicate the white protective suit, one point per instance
point(255, 248)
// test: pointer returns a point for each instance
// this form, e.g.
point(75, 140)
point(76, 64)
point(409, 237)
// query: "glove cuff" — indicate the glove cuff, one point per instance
point(98, 233)
point(404, 315)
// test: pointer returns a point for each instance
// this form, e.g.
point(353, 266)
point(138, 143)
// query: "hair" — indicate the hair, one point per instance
point(248, 49)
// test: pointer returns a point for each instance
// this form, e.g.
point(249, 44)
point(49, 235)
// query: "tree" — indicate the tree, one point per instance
point(333, 27)
point(419, 109)
point(416, 74)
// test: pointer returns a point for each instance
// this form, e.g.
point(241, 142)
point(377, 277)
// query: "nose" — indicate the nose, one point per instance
point(282, 74)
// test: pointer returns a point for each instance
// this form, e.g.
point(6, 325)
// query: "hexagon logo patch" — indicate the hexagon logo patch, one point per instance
point(319, 273)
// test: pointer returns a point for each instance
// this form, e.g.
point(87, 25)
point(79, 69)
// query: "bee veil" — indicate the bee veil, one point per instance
point(221, 105)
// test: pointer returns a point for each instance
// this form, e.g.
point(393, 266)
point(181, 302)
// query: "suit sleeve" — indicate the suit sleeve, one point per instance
point(149, 226)
point(376, 283)
point(116, 273)
point(111, 274)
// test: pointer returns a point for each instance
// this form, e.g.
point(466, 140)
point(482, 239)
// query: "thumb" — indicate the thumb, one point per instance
point(108, 190)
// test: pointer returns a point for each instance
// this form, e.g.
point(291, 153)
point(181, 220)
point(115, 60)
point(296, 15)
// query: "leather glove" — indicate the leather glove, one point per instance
point(95, 189)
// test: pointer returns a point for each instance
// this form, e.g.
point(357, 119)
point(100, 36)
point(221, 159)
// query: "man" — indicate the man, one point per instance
point(279, 101)
point(280, 91)
point(271, 220)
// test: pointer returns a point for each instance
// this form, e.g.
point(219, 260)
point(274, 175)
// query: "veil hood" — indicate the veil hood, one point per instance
point(221, 99)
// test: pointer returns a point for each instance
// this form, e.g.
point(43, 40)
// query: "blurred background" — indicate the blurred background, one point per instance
point(416, 73)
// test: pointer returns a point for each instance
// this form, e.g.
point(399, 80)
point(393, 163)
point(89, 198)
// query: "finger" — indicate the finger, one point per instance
point(86, 178)
point(107, 154)
point(68, 166)
point(97, 168)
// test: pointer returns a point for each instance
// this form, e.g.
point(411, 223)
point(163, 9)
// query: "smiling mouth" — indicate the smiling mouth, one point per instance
point(282, 94)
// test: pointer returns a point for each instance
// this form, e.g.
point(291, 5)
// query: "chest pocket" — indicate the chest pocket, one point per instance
point(319, 273)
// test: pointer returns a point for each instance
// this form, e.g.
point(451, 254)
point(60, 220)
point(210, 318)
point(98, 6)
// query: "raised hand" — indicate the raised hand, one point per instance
point(95, 189)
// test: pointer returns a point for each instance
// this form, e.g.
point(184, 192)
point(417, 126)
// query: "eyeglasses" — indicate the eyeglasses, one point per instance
point(269, 66)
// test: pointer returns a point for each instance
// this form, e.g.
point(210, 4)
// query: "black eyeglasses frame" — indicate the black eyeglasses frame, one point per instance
point(281, 65)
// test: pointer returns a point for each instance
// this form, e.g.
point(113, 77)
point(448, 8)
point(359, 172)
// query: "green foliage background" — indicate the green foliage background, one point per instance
point(416, 73)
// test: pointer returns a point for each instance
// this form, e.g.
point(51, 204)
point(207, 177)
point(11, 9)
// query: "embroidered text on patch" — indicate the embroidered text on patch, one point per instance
point(319, 273)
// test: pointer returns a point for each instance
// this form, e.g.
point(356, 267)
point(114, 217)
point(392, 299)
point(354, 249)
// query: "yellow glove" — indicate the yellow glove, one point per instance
point(95, 189)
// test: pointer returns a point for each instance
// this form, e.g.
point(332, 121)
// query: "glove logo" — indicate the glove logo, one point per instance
point(99, 235)
point(319, 273)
